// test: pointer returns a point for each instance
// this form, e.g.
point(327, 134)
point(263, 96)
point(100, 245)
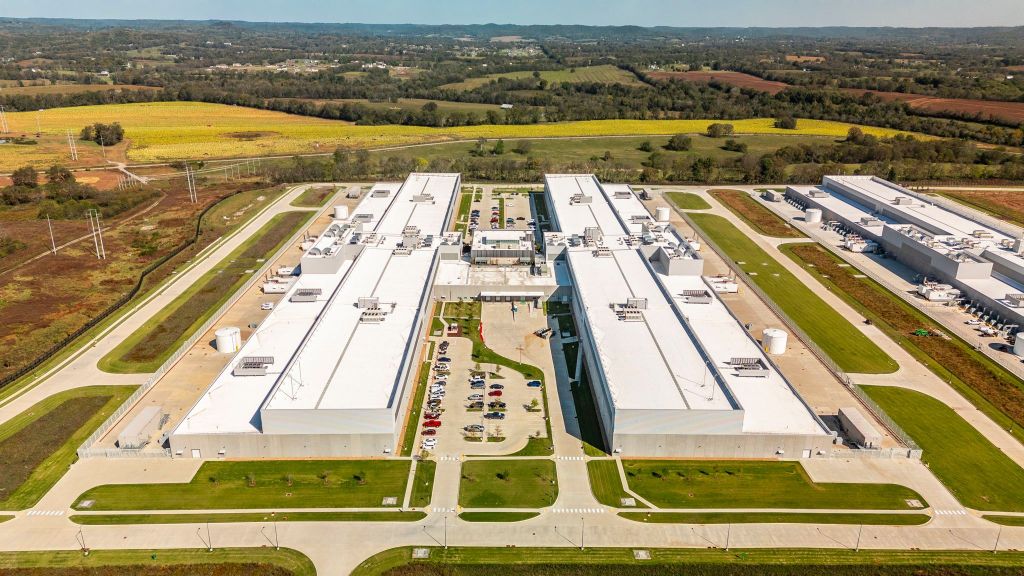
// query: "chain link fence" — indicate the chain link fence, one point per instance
point(865, 401)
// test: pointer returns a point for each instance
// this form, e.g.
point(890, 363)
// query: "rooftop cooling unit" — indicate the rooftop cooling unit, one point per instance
point(696, 296)
point(372, 316)
point(380, 193)
point(1015, 300)
point(638, 303)
point(305, 295)
point(369, 302)
point(363, 217)
point(818, 194)
point(423, 198)
point(749, 367)
point(630, 314)
point(402, 250)
point(623, 194)
point(252, 366)
point(602, 252)
point(580, 198)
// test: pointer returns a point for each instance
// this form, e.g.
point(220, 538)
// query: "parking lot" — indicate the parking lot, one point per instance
point(522, 417)
point(500, 211)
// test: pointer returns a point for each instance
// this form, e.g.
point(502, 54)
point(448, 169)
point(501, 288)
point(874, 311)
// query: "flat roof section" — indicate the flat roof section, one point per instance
point(575, 217)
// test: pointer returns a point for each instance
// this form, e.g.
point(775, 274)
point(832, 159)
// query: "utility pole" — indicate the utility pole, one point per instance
point(3, 120)
point(39, 128)
point(103, 148)
point(190, 180)
point(53, 243)
point(96, 227)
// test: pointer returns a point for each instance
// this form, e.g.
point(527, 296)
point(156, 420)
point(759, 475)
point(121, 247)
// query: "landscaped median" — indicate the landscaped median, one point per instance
point(493, 483)
point(571, 561)
point(849, 348)
point(268, 484)
point(149, 346)
point(739, 484)
point(262, 561)
point(754, 214)
point(687, 201)
point(776, 518)
point(38, 445)
point(251, 517)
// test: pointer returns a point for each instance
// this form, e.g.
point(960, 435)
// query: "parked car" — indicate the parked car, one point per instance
point(432, 415)
point(497, 386)
point(432, 424)
point(521, 218)
point(495, 415)
point(972, 322)
point(496, 404)
point(494, 393)
point(534, 384)
point(477, 405)
point(474, 428)
point(267, 306)
point(429, 432)
point(445, 360)
point(476, 386)
point(429, 443)
point(475, 397)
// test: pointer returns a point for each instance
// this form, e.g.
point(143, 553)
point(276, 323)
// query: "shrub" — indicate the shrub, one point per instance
point(718, 130)
point(679, 143)
point(786, 123)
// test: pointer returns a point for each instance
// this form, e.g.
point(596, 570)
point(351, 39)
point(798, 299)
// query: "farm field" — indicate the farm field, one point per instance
point(978, 473)
point(981, 109)
point(712, 561)
point(986, 384)
point(264, 484)
point(71, 89)
point(753, 484)
point(168, 562)
point(408, 104)
point(850, 349)
point(38, 445)
point(147, 348)
point(737, 79)
point(508, 484)
point(603, 74)
point(165, 131)
point(754, 214)
point(1005, 204)
point(775, 518)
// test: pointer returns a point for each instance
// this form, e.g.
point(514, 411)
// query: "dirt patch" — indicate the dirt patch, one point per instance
point(757, 216)
point(801, 59)
point(977, 109)
point(250, 135)
point(737, 79)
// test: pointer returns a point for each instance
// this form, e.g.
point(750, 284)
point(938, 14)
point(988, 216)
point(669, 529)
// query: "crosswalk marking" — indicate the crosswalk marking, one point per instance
point(578, 510)
point(437, 509)
point(957, 512)
point(571, 458)
point(45, 513)
point(447, 457)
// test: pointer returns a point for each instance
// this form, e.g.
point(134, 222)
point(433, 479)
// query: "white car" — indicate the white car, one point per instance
point(429, 443)
point(267, 306)
point(972, 322)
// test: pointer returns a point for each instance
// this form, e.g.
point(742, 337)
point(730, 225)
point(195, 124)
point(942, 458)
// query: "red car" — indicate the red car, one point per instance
point(430, 432)
point(432, 415)
point(432, 424)
point(494, 393)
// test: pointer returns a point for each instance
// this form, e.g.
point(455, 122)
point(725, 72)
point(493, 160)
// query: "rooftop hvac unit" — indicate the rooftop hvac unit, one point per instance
point(602, 252)
point(380, 193)
point(369, 302)
point(363, 217)
point(630, 314)
point(623, 194)
point(749, 367)
point(580, 198)
point(402, 250)
point(592, 234)
point(424, 198)
point(981, 234)
point(252, 366)
point(305, 295)
point(816, 193)
point(902, 201)
point(696, 296)
point(411, 231)
point(372, 316)
point(637, 303)
point(1015, 300)
point(639, 218)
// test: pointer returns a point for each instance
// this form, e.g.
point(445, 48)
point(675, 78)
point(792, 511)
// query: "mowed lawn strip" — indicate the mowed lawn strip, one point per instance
point(125, 519)
point(264, 484)
point(753, 484)
point(424, 483)
point(149, 346)
point(513, 561)
point(497, 516)
point(990, 387)
point(508, 484)
point(314, 196)
point(38, 445)
point(606, 484)
point(978, 473)
point(849, 348)
point(263, 561)
point(687, 201)
point(754, 214)
point(775, 518)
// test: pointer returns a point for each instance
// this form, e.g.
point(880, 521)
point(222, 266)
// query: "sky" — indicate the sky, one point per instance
point(698, 13)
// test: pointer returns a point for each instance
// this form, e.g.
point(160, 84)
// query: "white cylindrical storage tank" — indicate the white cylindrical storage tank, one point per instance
point(812, 215)
point(1018, 344)
point(661, 214)
point(229, 340)
point(773, 341)
point(340, 212)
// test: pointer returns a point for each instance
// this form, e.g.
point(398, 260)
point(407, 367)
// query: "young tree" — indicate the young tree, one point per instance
point(679, 143)
point(499, 148)
point(718, 130)
point(786, 123)
point(523, 147)
point(646, 146)
point(59, 175)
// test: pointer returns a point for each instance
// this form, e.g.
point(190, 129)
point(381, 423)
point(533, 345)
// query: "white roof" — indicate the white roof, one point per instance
point(574, 218)
point(333, 360)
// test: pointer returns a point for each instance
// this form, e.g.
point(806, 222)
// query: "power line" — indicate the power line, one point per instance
point(72, 146)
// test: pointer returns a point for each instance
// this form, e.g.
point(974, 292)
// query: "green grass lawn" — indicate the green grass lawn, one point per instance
point(753, 484)
point(264, 484)
point(1005, 520)
point(497, 516)
point(606, 484)
point(253, 517)
point(978, 473)
point(850, 349)
point(508, 484)
point(565, 561)
point(38, 445)
point(149, 346)
point(264, 561)
point(409, 437)
point(603, 74)
point(986, 384)
point(687, 201)
point(314, 196)
point(424, 483)
point(775, 518)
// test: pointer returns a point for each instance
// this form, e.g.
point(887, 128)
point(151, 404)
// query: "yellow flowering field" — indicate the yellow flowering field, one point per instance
point(163, 131)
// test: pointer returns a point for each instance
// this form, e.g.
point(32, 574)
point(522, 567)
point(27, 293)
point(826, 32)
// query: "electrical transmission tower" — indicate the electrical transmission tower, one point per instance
point(73, 146)
point(190, 179)
point(96, 228)
point(3, 120)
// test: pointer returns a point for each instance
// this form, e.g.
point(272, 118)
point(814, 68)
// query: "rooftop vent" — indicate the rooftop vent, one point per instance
point(252, 366)
point(580, 198)
point(623, 194)
point(817, 193)
point(380, 193)
point(603, 252)
point(424, 198)
point(1015, 300)
point(695, 296)
point(363, 217)
point(749, 367)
